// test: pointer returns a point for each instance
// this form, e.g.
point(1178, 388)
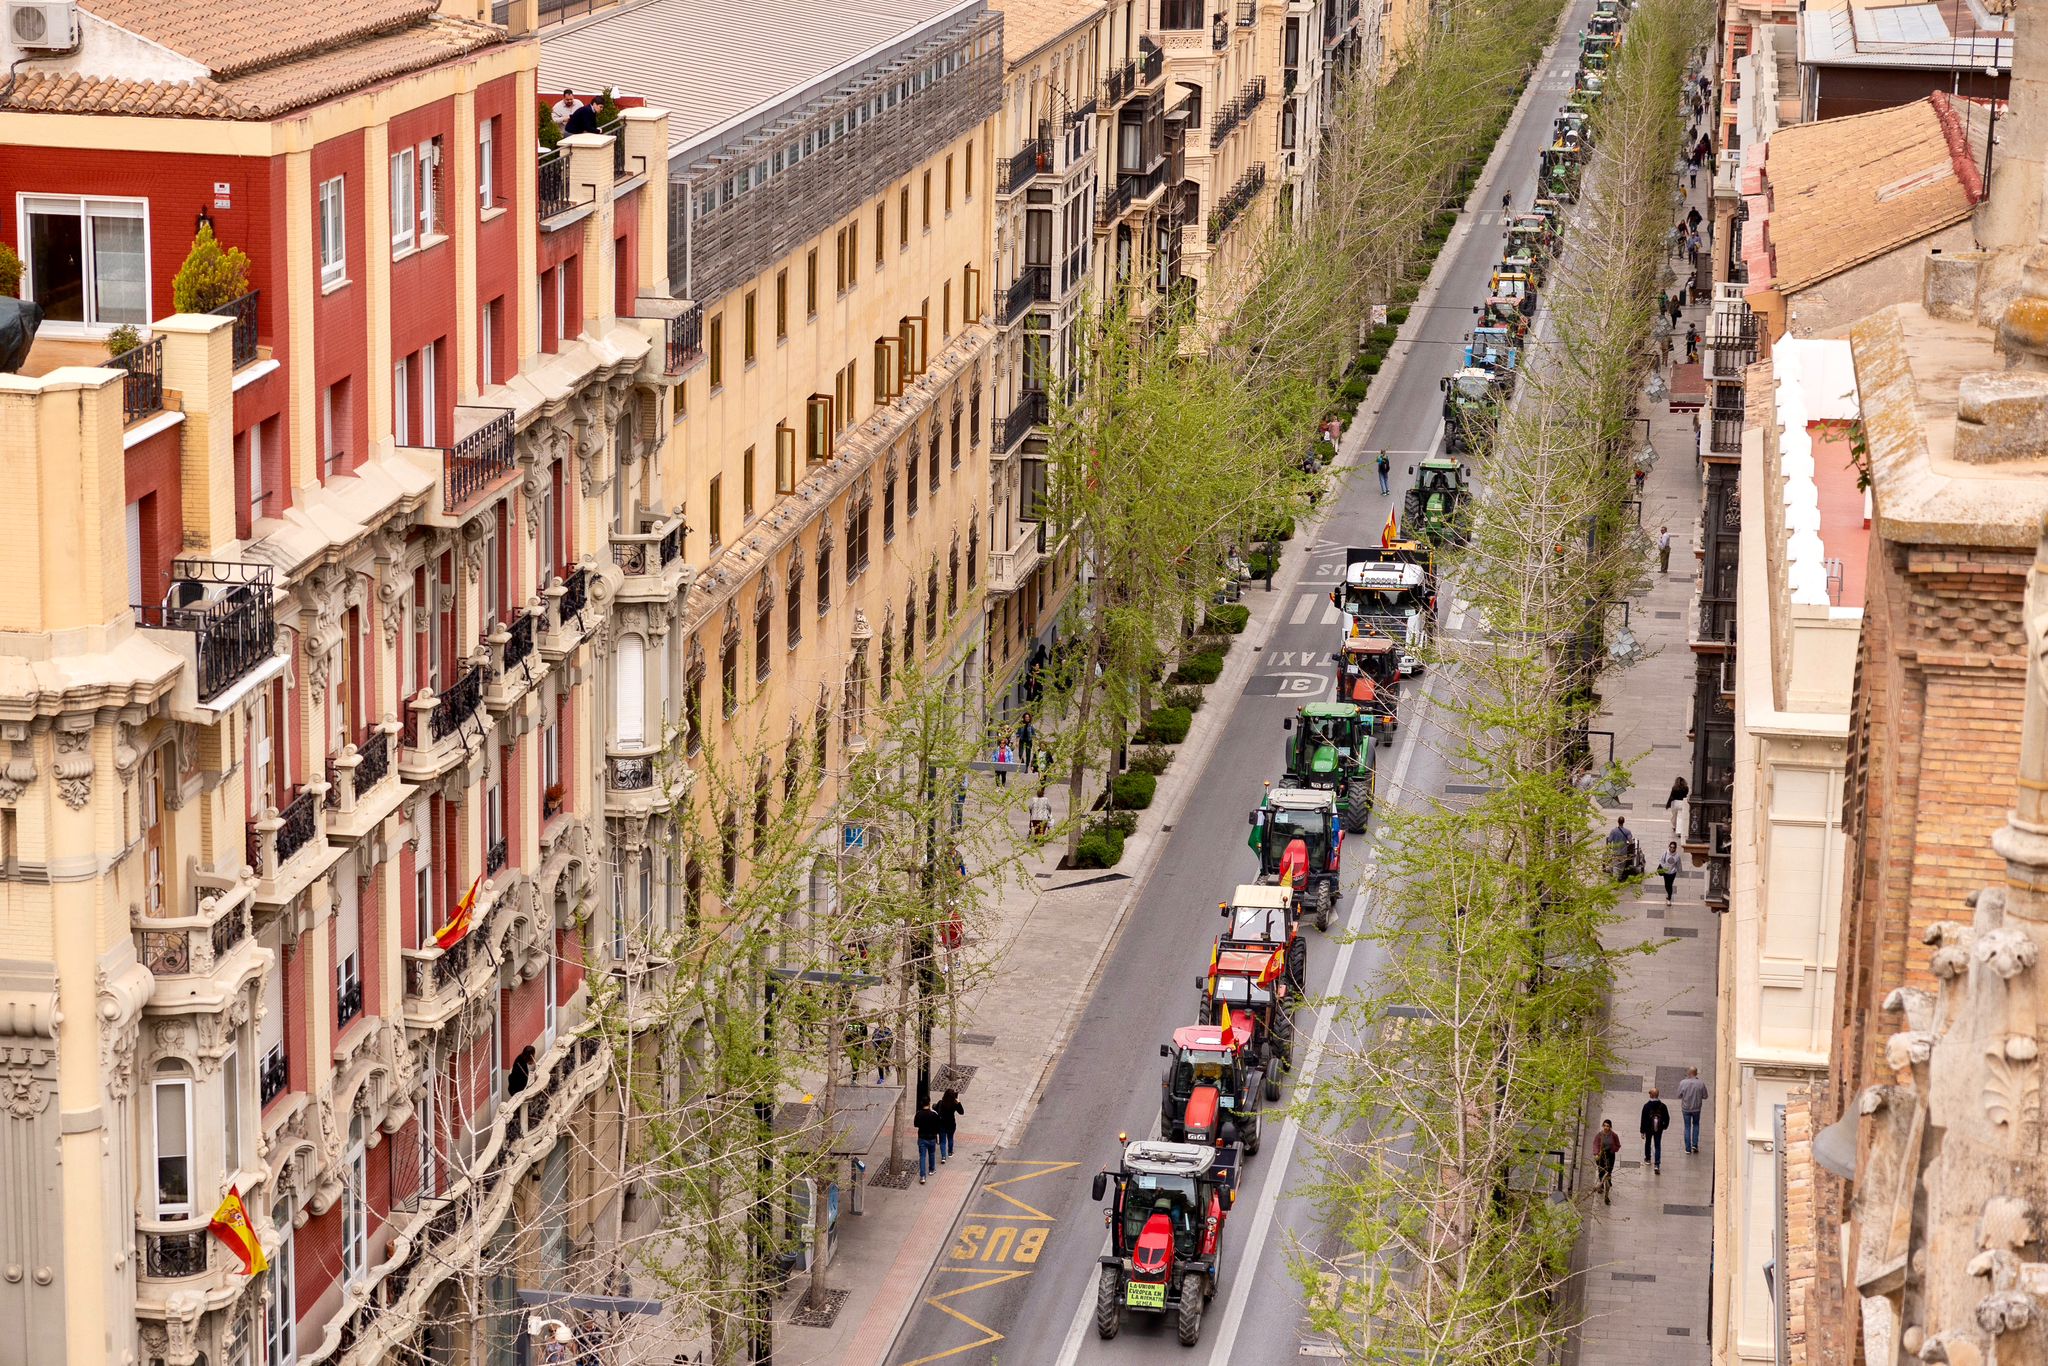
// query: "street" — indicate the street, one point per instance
point(1017, 1283)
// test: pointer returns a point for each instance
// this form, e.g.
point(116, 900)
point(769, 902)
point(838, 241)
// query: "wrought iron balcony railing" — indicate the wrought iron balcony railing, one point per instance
point(519, 641)
point(1151, 62)
point(477, 460)
point(1035, 156)
point(1236, 201)
point(176, 1255)
point(227, 606)
point(1033, 409)
point(553, 184)
point(142, 380)
point(274, 1074)
point(457, 705)
point(243, 311)
point(496, 857)
point(348, 1003)
point(685, 339)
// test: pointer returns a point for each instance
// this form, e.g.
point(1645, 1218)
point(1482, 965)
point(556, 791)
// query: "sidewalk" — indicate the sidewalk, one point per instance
point(1647, 1259)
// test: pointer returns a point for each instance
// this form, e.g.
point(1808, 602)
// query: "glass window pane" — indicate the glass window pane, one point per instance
point(56, 245)
point(173, 1162)
point(120, 277)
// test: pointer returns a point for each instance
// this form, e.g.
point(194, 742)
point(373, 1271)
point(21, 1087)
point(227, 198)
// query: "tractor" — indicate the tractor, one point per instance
point(1519, 257)
point(1559, 172)
point(1532, 234)
point(1391, 592)
point(1508, 313)
point(1267, 915)
point(1209, 1082)
point(1433, 504)
point(1495, 350)
point(1248, 977)
point(1166, 1225)
point(1332, 748)
point(1300, 844)
point(1514, 276)
point(1369, 677)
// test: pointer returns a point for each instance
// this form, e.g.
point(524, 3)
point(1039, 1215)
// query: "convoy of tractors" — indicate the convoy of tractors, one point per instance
point(1169, 1200)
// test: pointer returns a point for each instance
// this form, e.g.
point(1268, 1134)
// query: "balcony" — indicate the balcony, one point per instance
point(1034, 157)
point(1033, 409)
point(1235, 201)
point(496, 857)
point(568, 616)
point(1151, 63)
point(478, 460)
point(174, 1254)
point(518, 648)
point(142, 381)
point(348, 1003)
point(1247, 13)
point(651, 557)
point(552, 186)
point(273, 1075)
point(1118, 85)
point(433, 725)
point(225, 607)
point(1032, 285)
point(1731, 342)
point(275, 839)
point(243, 311)
point(684, 344)
point(360, 792)
point(196, 945)
point(1009, 570)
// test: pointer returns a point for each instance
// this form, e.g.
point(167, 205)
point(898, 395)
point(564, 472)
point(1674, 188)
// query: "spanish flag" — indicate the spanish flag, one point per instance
point(1223, 1023)
point(457, 928)
point(1391, 532)
point(1214, 950)
point(231, 1225)
point(1272, 969)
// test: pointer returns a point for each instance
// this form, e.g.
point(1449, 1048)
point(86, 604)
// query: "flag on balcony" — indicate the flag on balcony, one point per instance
point(1391, 532)
point(457, 928)
point(231, 1225)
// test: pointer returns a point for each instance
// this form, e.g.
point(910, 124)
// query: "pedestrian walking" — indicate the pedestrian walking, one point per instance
point(1692, 243)
point(1692, 1098)
point(882, 1040)
point(1382, 464)
point(1680, 790)
point(1677, 304)
point(1656, 1119)
point(1005, 756)
point(1040, 812)
point(949, 1109)
point(927, 1121)
point(1606, 1147)
point(1692, 217)
point(1663, 550)
point(1667, 868)
point(1692, 340)
point(1026, 738)
point(1693, 183)
point(1663, 302)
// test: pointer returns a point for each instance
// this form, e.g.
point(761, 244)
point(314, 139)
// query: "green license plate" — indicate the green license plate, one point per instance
point(1144, 1295)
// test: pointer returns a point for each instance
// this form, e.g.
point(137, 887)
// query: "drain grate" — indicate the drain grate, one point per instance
point(953, 1076)
point(979, 1040)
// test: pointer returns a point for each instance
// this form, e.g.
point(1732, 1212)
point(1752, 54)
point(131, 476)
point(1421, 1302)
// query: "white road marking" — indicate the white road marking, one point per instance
point(1456, 620)
point(1303, 606)
point(1331, 616)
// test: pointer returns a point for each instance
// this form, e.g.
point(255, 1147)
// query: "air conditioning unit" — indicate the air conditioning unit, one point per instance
point(43, 25)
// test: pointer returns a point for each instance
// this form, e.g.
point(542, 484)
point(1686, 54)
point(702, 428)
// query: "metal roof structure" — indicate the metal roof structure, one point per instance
point(1948, 35)
point(723, 69)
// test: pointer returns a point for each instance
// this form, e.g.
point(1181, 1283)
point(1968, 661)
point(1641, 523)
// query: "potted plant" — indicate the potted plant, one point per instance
point(212, 277)
point(10, 273)
point(122, 340)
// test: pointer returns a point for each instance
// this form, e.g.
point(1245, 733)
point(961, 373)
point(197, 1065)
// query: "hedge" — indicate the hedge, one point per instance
point(1099, 848)
point(1187, 699)
point(1166, 726)
point(1132, 791)
point(1151, 759)
point(1229, 616)
point(1202, 667)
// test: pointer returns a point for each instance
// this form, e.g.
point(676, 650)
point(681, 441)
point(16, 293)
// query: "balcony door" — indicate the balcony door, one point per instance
point(86, 262)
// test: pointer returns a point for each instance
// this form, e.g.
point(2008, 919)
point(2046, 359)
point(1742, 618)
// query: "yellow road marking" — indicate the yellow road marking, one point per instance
point(989, 1335)
point(995, 1188)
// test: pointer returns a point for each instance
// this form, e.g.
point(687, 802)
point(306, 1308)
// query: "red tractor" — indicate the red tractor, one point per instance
point(1210, 1086)
point(1248, 978)
point(1166, 1225)
point(1268, 915)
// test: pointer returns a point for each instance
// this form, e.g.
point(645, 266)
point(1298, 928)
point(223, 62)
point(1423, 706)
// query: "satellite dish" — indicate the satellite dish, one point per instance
point(19, 320)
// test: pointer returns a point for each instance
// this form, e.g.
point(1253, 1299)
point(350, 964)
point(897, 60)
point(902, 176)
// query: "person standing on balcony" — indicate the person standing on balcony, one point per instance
point(584, 119)
point(565, 108)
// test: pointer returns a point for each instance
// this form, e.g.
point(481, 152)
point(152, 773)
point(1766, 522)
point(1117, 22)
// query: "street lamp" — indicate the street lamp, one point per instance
point(553, 1335)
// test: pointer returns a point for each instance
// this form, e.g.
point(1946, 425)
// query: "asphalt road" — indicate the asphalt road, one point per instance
point(1017, 1284)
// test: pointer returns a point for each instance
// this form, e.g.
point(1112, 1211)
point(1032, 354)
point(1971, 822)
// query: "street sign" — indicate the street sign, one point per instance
point(853, 836)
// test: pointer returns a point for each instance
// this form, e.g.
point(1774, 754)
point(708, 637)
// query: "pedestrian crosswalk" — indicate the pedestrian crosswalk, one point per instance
point(1307, 603)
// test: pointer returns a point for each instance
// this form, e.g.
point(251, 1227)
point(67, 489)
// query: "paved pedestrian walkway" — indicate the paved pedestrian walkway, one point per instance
point(1647, 1258)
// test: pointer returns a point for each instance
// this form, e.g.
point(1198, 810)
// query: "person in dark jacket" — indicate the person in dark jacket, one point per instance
point(584, 120)
point(927, 1121)
point(522, 1072)
point(1656, 1119)
point(949, 1109)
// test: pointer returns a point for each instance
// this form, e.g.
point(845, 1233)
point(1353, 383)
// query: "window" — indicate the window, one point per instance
point(717, 501)
point(430, 188)
point(714, 350)
point(910, 486)
point(404, 210)
point(953, 439)
point(87, 260)
point(946, 308)
point(429, 428)
point(857, 536)
point(785, 458)
point(903, 218)
point(747, 484)
point(824, 571)
point(401, 402)
point(970, 295)
point(889, 504)
point(811, 282)
point(333, 234)
point(764, 629)
point(280, 1313)
point(487, 344)
point(931, 607)
point(793, 602)
point(781, 304)
point(819, 429)
point(949, 185)
point(258, 493)
point(231, 1110)
point(881, 231)
point(842, 398)
point(747, 331)
point(486, 163)
point(729, 673)
point(355, 1211)
point(348, 952)
point(927, 214)
point(632, 691)
point(150, 796)
point(173, 1143)
point(968, 178)
point(424, 921)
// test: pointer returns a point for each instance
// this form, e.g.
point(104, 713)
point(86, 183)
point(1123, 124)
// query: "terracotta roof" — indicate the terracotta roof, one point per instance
point(235, 37)
point(291, 83)
point(1029, 25)
point(1843, 191)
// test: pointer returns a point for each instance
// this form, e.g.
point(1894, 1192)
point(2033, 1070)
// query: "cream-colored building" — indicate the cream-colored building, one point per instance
point(823, 474)
point(1799, 613)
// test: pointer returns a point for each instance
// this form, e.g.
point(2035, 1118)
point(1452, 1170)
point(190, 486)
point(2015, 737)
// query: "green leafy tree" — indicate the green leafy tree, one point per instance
point(211, 277)
point(10, 273)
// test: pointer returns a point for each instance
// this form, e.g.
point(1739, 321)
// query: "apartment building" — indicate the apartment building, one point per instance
point(300, 814)
point(821, 479)
point(1799, 614)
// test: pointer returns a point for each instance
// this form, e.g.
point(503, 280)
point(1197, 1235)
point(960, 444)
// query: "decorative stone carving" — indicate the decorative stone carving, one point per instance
point(18, 773)
point(74, 766)
point(391, 600)
point(22, 1093)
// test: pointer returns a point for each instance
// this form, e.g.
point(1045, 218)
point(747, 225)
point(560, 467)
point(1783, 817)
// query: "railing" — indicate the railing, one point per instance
point(142, 380)
point(1236, 201)
point(457, 705)
point(652, 550)
point(1219, 31)
point(1724, 434)
point(243, 311)
point(227, 605)
point(172, 1256)
point(496, 857)
point(685, 339)
point(1033, 284)
point(552, 187)
point(373, 759)
point(348, 1003)
point(1247, 13)
point(476, 461)
point(575, 593)
point(1033, 409)
point(519, 642)
point(616, 131)
point(301, 817)
point(273, 1075)
point(630, 772)
point(1118, 84)
point(1706, 820)
point(1035, 156)
point(1084, 110)
point(173, 950)
point(1717, 621)
point(1151, 61)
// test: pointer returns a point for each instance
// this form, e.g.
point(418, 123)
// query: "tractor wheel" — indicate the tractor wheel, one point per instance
point(1251, 1142)
point(1109, 1303)
point(1326, 899)
point(1357, 805)
point(1187, 1325)
point(1273, 1083)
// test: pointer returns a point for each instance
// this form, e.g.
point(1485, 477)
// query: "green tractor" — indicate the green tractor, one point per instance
point(1436, 501)
point(1332, 748)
